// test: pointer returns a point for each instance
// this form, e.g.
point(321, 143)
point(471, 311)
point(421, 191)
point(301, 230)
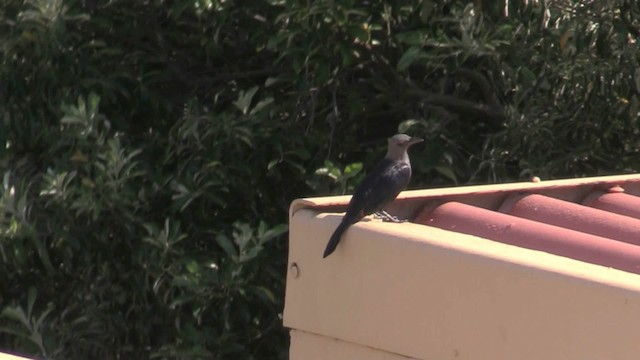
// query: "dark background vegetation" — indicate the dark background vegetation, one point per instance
point(149, 149)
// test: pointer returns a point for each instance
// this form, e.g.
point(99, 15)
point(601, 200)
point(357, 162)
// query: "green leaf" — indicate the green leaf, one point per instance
point(426, 9)
point(226, 245)
point(244, 99)
point(184, 281)
point(273, 232)
point(412, 55)
point(352, 170)
point(264, 293)
point(412, 38)
point(271, 81)
point(31, 299)
point(15, 313)
point(43, 252)
point(193, 267)
point(358, 32)
point(93, 102)
point(528, 76)
point(261, 105)
point(447, 172)
point(404, 126)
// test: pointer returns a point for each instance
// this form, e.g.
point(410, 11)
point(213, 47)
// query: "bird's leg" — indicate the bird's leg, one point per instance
point(383, 215)
point(388, 218)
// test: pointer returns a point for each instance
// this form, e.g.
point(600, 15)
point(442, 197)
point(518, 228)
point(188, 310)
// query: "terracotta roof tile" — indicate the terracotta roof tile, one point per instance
point(615, 202)
point(602, 227)
point(574, 216)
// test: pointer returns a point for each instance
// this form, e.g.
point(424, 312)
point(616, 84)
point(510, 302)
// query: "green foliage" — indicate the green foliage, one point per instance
point(149, 150)
point(337, 176)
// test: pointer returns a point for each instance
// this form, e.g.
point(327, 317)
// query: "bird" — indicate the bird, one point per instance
point(379, 188)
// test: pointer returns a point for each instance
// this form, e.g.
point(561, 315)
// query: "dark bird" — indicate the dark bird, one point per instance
point(380, 187)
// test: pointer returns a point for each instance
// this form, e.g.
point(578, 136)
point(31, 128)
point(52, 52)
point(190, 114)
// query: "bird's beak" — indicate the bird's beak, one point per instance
point(415, 140)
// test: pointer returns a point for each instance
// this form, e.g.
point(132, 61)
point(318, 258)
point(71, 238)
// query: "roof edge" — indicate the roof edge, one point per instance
point(343, 200)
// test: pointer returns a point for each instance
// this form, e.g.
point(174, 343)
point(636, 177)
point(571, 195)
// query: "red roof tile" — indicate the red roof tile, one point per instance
point(603, 228)
point(615, 202)
point(574, 216)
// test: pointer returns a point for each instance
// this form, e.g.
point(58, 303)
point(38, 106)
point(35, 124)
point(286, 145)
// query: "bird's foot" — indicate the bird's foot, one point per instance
point(388, 218)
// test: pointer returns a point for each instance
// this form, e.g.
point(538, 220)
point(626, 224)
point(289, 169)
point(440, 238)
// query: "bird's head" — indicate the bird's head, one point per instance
point(398, 145)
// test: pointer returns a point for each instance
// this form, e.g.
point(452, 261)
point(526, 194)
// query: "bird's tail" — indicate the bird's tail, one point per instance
point(335, 238)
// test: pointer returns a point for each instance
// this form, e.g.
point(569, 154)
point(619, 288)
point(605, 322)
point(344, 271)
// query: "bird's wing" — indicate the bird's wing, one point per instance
point(383, 183)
